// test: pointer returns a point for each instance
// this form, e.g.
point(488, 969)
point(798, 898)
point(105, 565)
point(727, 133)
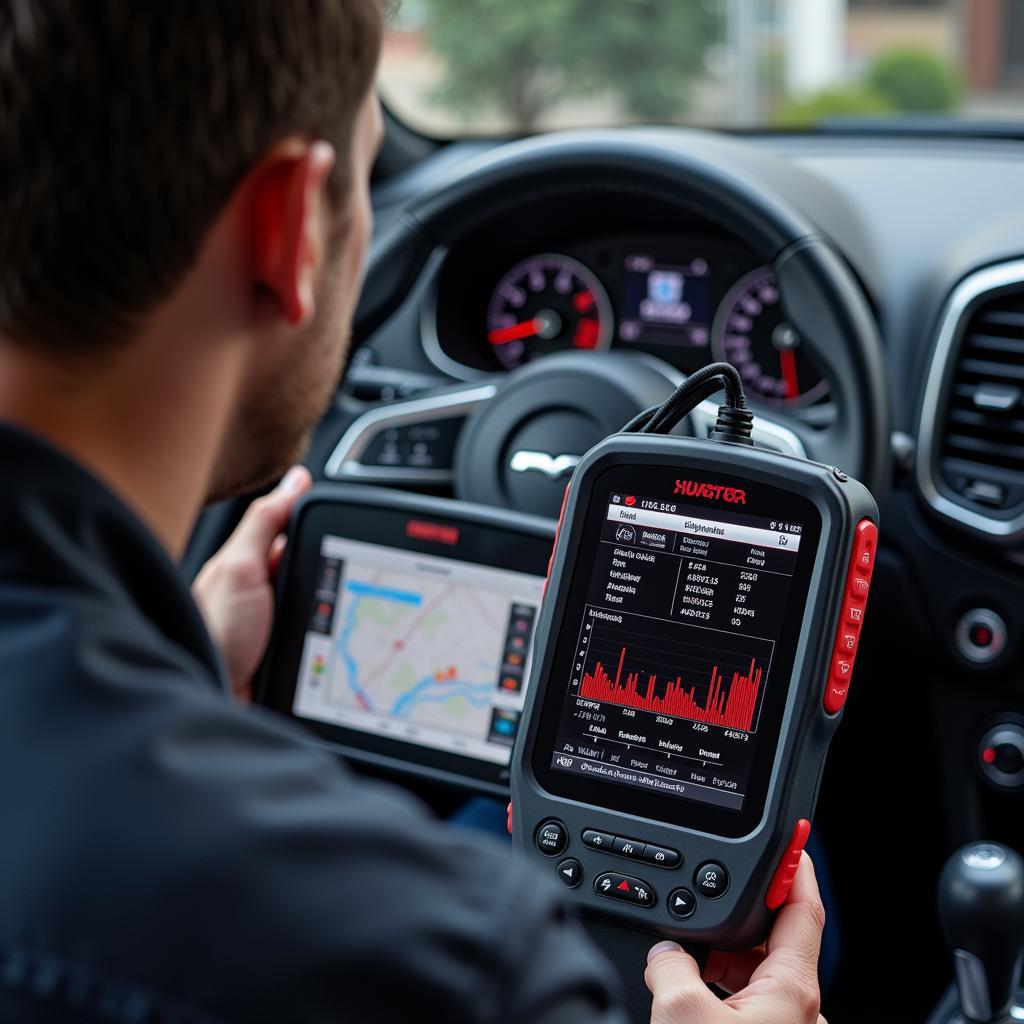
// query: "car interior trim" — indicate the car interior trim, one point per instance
point(964, 300)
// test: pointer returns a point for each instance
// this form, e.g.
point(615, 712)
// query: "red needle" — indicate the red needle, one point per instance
point(787, 357)
point(525, 329)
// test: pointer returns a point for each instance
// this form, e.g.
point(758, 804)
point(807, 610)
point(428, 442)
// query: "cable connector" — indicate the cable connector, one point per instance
point(735, 420)
point(734, 425)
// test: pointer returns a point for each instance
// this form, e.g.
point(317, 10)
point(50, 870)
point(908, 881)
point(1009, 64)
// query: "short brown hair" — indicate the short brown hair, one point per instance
point(125, 126)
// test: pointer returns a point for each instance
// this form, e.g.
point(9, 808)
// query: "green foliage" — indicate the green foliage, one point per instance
point(523, 56)
point(915, 80)
point(853, 101)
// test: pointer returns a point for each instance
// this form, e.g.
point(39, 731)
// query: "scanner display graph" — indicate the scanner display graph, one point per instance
point(637, 668)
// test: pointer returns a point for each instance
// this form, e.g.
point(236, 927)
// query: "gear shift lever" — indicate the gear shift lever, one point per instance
point(981, 907)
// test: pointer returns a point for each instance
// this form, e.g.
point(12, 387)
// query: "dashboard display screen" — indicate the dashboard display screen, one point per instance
point(666, 302)
point(684, 623)
point(428, 650)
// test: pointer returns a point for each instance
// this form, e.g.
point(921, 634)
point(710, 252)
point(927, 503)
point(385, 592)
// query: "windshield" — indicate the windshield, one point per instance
point(458, 67)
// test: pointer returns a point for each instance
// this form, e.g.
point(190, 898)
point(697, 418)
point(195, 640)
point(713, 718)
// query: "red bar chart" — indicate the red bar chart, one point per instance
point(640, 669)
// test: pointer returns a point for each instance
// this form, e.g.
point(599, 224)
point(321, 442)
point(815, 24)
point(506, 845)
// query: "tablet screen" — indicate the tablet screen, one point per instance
point(426, 649)
point(405, 628)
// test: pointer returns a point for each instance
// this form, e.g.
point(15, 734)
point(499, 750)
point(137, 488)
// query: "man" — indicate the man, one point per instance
point(184, 215)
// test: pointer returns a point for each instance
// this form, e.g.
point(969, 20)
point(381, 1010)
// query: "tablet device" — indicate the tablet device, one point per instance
point(404, 630)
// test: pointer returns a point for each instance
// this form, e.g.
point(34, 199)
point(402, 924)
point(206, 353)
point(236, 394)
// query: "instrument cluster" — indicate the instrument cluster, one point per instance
point(686, 300)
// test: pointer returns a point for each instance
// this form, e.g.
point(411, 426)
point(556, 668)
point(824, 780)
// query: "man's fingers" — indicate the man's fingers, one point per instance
point(732, 971)
point(679, 993)
point(266, 517)
point(798, 928)
point(785, 985)
point(277, 548)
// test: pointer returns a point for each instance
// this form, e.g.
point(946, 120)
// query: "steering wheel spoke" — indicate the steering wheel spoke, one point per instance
point(407, 442)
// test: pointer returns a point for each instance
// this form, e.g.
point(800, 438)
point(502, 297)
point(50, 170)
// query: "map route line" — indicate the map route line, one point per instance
point(401, 642)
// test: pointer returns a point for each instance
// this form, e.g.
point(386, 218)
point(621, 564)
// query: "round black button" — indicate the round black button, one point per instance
point(681, 903)
point(711, 879)
point(570, 872)
point(551, 838)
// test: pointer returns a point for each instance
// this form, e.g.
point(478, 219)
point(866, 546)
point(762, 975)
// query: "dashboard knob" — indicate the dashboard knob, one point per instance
point(980, 636)
point(1001, 755)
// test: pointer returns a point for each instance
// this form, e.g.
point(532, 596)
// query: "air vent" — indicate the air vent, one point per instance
point(971, 455)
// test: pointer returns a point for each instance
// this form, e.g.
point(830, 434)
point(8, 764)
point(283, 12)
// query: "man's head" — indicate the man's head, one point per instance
point(214, 148)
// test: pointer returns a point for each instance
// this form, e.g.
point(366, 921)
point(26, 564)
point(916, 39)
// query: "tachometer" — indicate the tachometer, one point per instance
point(545, 304)
point(751, 332)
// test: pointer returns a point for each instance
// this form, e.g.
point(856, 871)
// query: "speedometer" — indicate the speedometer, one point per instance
point(545, 304)
point(751, 332)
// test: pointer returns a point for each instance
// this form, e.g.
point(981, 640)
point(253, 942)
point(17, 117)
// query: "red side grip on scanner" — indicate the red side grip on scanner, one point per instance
point(554, 544)
point(782, 880)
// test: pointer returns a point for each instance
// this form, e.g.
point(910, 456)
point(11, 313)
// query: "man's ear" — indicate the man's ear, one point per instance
point(288, 215)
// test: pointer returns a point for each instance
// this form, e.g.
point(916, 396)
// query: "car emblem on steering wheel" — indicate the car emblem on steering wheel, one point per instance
point(552, 466)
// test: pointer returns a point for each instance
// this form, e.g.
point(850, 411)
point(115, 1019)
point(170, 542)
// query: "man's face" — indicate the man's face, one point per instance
point(278, 416)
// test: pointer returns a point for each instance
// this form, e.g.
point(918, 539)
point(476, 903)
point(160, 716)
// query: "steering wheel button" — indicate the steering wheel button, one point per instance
point(551, 838)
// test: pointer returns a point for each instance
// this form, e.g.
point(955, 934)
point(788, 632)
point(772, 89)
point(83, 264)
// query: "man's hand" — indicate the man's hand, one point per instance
point(775, 985)
point(234, 589)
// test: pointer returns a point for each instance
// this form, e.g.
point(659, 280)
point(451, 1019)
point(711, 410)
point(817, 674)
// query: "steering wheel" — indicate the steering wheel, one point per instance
point(525, 432)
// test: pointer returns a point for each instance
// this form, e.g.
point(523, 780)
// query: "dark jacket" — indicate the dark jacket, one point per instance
point(166, 855)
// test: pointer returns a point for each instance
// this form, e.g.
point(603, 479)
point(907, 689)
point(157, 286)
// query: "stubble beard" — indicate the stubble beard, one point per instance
point(275, 424)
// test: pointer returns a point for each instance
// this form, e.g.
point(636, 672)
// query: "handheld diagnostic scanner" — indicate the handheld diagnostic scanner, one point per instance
point(693, 655)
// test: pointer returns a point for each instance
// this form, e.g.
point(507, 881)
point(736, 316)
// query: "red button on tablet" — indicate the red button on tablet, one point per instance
point(782, 881)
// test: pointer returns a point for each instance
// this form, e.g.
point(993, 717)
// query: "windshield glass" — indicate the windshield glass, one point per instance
point(457, 67)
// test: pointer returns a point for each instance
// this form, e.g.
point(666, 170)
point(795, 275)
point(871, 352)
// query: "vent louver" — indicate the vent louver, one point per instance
point(972, 451)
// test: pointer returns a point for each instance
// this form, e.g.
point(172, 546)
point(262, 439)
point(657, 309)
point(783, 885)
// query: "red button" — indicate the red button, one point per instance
point(782, 881)
point(508, 819)
point(842, 670)
point(859, 587)
point(835, 696)
point(853, 614)
point(848, 639)
point(864, 544)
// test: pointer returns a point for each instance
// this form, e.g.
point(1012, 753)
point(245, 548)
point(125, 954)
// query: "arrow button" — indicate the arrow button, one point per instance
point(570, 872)
point(681, 903)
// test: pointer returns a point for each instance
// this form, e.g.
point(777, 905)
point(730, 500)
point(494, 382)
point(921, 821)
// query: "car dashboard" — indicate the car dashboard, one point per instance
point(931, 231)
